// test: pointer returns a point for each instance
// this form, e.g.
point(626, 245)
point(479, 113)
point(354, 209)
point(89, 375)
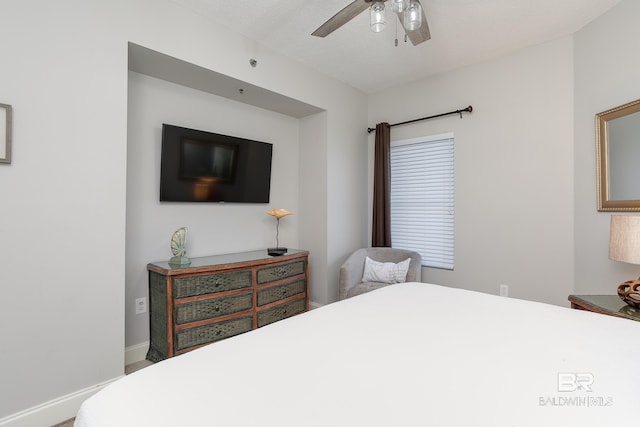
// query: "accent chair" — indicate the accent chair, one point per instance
point(351, 272)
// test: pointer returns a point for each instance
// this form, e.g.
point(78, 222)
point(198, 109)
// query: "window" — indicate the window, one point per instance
point(422, 198)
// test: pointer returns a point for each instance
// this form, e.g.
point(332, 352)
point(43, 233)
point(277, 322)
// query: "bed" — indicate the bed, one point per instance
point(411, 354)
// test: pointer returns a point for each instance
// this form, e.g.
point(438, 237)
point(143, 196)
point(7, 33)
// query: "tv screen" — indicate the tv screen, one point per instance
point(199, 166)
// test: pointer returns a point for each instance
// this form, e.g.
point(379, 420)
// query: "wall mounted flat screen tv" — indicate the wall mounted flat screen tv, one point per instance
point(199, 166)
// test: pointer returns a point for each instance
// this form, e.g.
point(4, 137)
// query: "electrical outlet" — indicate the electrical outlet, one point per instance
point(141, 305)
point(504, 290)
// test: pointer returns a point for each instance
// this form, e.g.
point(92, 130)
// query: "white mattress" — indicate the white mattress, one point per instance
point(406, 355)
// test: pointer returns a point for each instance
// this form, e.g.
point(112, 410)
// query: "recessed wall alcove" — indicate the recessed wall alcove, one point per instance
point(163, 88)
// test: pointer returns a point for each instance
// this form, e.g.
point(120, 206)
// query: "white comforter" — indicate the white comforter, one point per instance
point(406, 355)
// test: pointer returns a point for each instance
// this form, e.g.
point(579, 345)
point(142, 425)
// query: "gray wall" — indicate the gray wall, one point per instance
point(607, 59)
point(513, 165)
point(64, 197)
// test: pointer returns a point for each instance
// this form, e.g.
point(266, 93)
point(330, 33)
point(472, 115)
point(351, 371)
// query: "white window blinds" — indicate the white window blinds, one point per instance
point(422, 198)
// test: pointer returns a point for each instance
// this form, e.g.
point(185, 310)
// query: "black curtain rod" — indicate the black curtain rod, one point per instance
point(465, 110)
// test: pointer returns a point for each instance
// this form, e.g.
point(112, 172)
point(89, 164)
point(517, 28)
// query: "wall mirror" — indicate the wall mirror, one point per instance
point(618, 157)
point(5, 133)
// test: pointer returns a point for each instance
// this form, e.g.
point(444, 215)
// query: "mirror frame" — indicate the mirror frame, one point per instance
point(605, 204)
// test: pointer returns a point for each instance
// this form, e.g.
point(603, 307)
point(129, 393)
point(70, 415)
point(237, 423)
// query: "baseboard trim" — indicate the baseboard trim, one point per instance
point(53, 411)
point(65, 407)
point(136, 353)
point(313, 305)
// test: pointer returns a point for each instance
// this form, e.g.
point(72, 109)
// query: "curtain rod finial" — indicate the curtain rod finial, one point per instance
point(369, 130)
point(468, 109)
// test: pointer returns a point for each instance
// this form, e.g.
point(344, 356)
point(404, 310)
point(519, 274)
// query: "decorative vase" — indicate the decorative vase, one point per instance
point(629, 292)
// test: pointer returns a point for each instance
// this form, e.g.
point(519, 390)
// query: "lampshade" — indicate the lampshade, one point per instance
point(278, 213)
point(377, 16)
point(413, 16)
point(624, 240)
point(399, 5)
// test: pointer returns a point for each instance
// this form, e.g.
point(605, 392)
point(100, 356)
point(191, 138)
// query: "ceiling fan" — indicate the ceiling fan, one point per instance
point(409, 12)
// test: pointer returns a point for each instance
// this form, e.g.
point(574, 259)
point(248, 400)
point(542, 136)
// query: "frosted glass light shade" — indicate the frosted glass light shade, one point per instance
point(399, 6)
point(377, 16)
point(413, 16)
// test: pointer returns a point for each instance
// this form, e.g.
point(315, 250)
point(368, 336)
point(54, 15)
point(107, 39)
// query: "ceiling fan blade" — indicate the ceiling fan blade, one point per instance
point(352, 10)
point(420, 35)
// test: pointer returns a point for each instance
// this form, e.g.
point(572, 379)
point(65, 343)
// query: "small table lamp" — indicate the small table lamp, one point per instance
point(277, 214)
point(624, 245)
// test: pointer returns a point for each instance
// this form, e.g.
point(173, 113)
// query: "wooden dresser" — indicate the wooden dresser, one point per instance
point(221, 296)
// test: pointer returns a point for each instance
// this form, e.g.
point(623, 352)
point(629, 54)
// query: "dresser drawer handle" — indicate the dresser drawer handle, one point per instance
point(284, 291)
point(217, 284)
point(216, 308)
point(218, 332)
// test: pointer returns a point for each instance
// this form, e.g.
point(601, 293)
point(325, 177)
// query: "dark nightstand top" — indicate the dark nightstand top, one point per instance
point(605, 304)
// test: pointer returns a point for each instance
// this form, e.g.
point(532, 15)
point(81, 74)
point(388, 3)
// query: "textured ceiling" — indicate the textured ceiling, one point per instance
point(463, 32)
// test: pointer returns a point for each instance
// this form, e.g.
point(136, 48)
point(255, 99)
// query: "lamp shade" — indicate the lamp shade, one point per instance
point(413, 16)
point(377, 16)
point(399, 5)
point(624, 240)
point(278, 213)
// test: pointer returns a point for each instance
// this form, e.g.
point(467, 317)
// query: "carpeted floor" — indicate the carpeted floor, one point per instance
point(127, 370)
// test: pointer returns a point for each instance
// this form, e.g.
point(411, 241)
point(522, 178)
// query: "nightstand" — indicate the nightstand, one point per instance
point(611, 305)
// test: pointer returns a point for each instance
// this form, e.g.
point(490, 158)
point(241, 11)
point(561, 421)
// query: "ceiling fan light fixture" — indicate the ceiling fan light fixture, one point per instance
point(413, 16)
point(398, 6)
point(376, 13)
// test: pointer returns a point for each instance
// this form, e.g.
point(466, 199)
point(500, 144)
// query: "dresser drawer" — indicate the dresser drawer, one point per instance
point(266, 296)
point(281, 312)
point(209, 333)
point(210, 283)
point(212, 308)
point(278, 272)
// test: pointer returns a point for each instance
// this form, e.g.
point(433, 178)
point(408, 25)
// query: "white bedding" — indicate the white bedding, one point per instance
point(406, 355)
